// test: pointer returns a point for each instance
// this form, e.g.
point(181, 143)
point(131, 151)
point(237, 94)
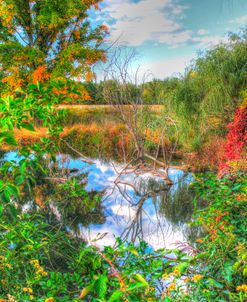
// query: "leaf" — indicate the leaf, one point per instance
point(1, 209)
point(215, 283)
point(12, 211)
point(101, 286)
point(19, 179)
point(115, 296)
point(141, 279)
point(10, 140)
point(183, 267)
point(28, 126)
point(86, 291)
point(135, 286)
point(134, 251)
point(12, 190)
point(32, 86)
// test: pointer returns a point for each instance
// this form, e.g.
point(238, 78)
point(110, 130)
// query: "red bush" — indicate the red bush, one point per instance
point(236, 143)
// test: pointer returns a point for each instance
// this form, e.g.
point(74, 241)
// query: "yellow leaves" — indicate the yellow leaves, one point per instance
point(176, 272)
point(85, 292)
point(39, 270)
point(134, 251)
point(242, 287)
point(196, 278)
point(27, 290)
point(6, 14)
point(171, 287)
point(244, 103)
point(156, 136)
point(50, 300)
point(193, 74)
point(186, 280)
point(93, 57)
point(141, 279)
point(165, 276)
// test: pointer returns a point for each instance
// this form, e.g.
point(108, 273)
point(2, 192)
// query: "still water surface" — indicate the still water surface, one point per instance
point(136, 207)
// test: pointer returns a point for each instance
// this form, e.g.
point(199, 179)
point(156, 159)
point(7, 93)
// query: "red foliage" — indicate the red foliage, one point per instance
point(236, 139)
point(210, 155)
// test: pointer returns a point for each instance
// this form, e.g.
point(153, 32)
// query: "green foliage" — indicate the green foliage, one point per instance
point(46, 260)
point(20, 111)
point(222, 256)
point(204, 100)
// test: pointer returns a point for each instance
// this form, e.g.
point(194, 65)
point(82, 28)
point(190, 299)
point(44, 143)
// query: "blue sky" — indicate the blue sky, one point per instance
point(168, 33)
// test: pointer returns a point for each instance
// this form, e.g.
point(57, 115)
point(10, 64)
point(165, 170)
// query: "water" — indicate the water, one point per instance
point(136, 207)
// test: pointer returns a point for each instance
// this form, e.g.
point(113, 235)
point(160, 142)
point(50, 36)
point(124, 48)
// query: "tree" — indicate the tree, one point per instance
point(204, 100)
point(123, 89)
point(41, 40)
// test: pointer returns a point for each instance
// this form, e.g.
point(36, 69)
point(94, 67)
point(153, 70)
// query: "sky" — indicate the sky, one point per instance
point(167, 34)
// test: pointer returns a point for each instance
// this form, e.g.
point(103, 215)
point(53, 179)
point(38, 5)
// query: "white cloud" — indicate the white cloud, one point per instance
point(167, 67)
point(209, 41)
point(202, 32)
point(241, 20)
point(146, 20)
point(159, 21)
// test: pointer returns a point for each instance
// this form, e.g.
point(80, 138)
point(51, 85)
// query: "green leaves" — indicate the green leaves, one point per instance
point(115, 297)
point(101, 286)
point(8, 191)
point(7, 137)
point(27, 126)
point(141, 279)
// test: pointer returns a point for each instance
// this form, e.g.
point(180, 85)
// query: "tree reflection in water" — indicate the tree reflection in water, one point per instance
point(132, 206)
point(139, 207)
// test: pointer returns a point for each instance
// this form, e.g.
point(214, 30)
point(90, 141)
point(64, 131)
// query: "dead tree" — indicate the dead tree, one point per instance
point(123, 87)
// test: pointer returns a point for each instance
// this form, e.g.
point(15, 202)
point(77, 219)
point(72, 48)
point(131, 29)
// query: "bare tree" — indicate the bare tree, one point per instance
point(123, 89)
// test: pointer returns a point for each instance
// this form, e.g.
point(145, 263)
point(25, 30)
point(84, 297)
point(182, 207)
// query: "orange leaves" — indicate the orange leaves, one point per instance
point(59, 91)
point(156, 137)
point(93, 57)
point(6, 14)
point(86, 96)
point(40, 74)
point(13, 81)
point(89, 76)
point(81, 94)
point(104, 27)
point(94, 3)
point(77, 34)
point(96, 6)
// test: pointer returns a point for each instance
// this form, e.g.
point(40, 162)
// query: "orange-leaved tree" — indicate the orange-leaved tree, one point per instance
point(48, 39)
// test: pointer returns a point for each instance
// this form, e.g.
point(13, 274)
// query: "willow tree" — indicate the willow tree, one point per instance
point(48, 39)
point(206, 97)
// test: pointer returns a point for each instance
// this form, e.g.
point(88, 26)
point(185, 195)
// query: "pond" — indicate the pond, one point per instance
point(136, 207)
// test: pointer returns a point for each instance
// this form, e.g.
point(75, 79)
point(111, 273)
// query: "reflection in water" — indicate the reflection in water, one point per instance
point(136, 206)
point(132, 206)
